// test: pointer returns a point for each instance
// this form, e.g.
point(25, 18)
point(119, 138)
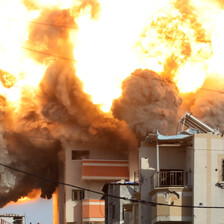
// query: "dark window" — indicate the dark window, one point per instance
point(79, 155)
point(18, 220)
point(113, 211)
point(77, 195)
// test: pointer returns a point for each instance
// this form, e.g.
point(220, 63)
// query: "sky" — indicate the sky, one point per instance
point(39, 210)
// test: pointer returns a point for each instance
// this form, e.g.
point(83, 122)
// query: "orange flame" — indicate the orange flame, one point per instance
point(180, 39)
point(32, 196)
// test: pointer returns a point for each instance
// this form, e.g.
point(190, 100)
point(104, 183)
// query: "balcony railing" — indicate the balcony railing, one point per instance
point(171, 179)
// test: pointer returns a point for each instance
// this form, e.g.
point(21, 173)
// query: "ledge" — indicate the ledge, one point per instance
point(161, 189)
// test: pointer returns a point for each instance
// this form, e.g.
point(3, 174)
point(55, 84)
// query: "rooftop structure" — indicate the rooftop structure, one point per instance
point(180, 176)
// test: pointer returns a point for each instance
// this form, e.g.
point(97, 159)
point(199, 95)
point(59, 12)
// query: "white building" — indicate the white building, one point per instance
point(114, 212)
point(181, 170)
point(88, 166)
point(12, 218)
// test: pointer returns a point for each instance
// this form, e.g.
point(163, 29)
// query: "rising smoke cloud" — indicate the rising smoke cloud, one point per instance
point(148, 102)
point(207, 105)
point(34, 134)
point(57, 111)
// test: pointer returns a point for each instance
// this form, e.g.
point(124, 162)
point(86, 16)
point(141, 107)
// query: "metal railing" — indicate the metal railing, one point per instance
point(171, 179)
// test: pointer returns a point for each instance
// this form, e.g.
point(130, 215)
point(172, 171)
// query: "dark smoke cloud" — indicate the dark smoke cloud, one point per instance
point(63, 101)
point(207, 105)
point(148, 102)
point(25, 146)
point(57, 112)
point(24, 155)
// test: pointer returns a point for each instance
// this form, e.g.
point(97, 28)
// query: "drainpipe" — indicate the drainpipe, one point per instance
point(157, 158)
point(157, 152)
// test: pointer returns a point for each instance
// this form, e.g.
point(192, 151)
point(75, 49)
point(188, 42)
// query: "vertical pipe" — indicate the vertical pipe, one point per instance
point(157, 152)
point(157, 159)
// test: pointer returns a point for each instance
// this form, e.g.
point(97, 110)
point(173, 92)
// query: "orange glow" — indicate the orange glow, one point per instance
point(143, 35)
point(180, 39)
point(13, 58)
point(32, 196)
point(56, 207)
point(23, 199)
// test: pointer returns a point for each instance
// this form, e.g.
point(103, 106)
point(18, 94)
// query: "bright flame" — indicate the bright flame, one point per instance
point(104, 49)
point(24, 199)
point(143, 35)
point(13, 57)
point(32, 196)
point(180, 39)
point(190, 77)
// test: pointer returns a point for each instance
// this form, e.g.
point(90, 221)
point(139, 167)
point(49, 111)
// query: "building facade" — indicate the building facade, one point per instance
point(12, 218)
point(181, 179)
point(88, 167)
point(114, 206)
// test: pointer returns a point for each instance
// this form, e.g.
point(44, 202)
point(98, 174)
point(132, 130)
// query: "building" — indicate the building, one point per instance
point(114, 206)
point(12, 218)
point(180, 176)
point(88, 166)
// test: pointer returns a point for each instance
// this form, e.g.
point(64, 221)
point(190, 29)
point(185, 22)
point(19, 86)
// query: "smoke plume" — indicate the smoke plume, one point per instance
point(34, 134)
point(148, 102)
point(58, 111)
point(207, 105)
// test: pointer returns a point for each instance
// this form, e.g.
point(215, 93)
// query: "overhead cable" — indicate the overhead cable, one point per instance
point(150, 203)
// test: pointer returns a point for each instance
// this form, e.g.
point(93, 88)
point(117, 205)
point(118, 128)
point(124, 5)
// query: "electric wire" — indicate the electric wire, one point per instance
point(76, 28)
point(38, 23)
point(150, 203)
point(73, 60)
point(79, 141)
point(48, 54)
point(62, 183)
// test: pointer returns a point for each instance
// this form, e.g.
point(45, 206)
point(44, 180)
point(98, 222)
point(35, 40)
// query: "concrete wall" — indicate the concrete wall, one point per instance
point(147, 162)
point(208, 153)
point(176, 158)
point(169, 158)
point(120, 190)
point(73, 175)
point(171, 195)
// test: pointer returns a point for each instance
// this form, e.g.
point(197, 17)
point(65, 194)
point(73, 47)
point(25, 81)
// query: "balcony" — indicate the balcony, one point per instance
point(93, 210)
point(172, 188)
point(106, 170)
point(171, 179)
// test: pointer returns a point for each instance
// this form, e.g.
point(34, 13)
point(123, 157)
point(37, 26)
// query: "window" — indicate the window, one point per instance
point(113, 211)
point(79, 155)
point(77, 195)
point(171, 177)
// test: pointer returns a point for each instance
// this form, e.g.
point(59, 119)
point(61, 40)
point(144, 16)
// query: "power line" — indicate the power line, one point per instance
point(47, 138)
point(73, 60)
point(69, 59)
point(75, 28)
point(39, 23)
point(150, 203)
point(48, 54)
point(79, 141)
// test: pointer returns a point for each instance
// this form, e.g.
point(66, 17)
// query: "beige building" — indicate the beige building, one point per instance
point(179, 171)
point(88, 166)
